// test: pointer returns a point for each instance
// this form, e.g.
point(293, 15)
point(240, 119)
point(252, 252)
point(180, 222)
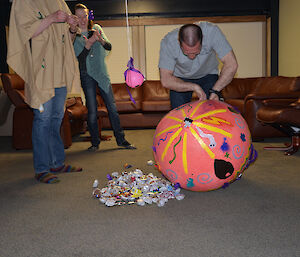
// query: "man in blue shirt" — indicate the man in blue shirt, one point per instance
point(188, 62)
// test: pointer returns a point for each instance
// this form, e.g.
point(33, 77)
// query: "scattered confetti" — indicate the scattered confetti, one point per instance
point(150, 162)
point(127, 166)
point(135, 187)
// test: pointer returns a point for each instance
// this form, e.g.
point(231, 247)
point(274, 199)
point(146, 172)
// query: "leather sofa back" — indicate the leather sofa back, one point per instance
point(150, 97)
point(154, 91)
point(277, 85)
point(155, 97)
point(239, 88)
point(122, 98)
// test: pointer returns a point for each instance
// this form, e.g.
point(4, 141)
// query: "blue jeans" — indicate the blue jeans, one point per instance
point(180, 98)
point(89, 86)
point(48, 148)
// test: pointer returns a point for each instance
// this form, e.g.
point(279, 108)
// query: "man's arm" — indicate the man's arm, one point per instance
point(58, 16)
point(168, 80)
point(228, 71)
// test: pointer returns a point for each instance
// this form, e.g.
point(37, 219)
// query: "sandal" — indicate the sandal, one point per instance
point(66, 169)
point(46, 177)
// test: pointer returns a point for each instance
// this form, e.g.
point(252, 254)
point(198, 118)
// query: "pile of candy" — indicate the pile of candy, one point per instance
point(136, 187)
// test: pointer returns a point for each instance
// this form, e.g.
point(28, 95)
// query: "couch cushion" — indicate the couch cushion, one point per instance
point(122, 98)
point(156, 106)
point(156, 97)
point(154, 91)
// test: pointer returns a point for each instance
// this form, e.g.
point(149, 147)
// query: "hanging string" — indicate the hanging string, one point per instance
point(128, 34)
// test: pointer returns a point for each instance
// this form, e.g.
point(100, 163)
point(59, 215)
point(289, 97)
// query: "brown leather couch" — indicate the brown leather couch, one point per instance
point(152, 103)
point(246, 94)
point(73, 121)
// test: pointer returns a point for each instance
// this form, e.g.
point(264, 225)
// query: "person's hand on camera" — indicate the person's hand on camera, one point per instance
point(90, 41)
point(101, 39)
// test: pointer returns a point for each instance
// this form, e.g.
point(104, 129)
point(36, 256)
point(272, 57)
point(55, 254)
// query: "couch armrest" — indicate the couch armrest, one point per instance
point(13, 86)
point(282, 102)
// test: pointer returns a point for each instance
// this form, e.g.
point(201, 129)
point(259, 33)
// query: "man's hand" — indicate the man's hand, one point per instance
point(200, 93)
point(213, 96)
point(59, 16)
point(169, 81)
point(73, 21)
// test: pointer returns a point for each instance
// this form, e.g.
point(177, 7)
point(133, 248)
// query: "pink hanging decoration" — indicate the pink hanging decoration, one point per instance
point(133, 77)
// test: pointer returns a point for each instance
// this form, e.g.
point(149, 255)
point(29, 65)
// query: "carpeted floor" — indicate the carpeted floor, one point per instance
point(256, 216)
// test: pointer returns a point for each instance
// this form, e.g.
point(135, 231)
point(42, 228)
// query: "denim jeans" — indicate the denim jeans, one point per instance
point(89, 86)
point(48, 148)
point(180, 98)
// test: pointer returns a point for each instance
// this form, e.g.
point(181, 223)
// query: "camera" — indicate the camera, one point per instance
point(90, 33)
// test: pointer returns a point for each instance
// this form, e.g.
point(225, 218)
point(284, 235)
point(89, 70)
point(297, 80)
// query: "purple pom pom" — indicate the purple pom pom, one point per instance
point(225, 185)
point(91, 15)
point(177, 185)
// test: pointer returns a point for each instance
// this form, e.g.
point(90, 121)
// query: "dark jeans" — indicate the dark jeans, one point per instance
point(180, 98)
point(89, 86)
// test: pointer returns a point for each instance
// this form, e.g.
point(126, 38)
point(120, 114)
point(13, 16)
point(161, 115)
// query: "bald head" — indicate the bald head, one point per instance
point(190, 34)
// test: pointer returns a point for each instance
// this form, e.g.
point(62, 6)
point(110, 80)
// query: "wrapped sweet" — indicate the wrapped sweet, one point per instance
point(135, 187)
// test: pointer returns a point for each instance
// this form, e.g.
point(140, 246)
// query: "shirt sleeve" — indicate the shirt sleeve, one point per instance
point(219, 42)
point(166, 57)
point(101, 31)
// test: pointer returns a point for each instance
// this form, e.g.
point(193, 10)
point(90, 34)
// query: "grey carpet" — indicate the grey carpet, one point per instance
point(256, 216)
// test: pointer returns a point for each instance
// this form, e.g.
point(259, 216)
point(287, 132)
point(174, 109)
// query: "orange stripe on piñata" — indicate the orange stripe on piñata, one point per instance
point(203, 145)
point(183, 113)
point(174, 118)
point(210, 113)
point(214, 129)
point(167, 129)
point(196, 108)
point(184, 159)
point(170, 142)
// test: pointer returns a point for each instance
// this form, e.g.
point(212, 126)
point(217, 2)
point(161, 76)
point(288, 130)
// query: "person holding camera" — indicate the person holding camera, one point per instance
point(91, 48)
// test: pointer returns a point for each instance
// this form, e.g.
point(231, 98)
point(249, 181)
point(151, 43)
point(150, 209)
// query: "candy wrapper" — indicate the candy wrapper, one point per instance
point(134, 187)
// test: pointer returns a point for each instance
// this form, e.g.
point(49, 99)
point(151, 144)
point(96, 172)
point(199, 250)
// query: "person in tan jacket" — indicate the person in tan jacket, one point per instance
point(40, 51)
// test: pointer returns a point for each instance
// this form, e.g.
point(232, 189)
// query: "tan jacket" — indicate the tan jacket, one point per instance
point(46, 61)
